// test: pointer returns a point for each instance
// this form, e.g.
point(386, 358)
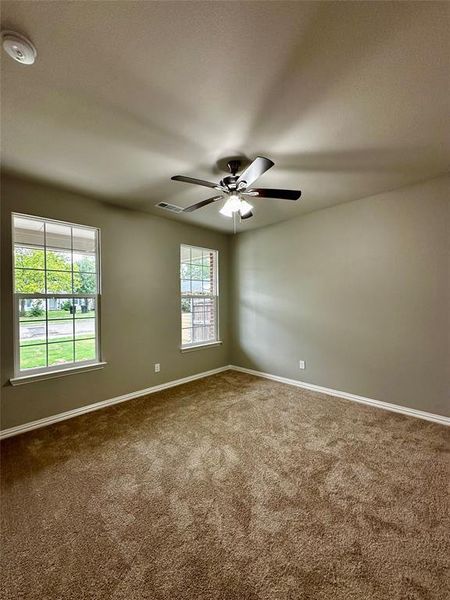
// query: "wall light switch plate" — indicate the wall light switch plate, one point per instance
point(301, 364)
point(157, 367)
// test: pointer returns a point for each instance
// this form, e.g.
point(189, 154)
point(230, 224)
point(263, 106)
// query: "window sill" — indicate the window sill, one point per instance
point(53, 374)
point(193, 347)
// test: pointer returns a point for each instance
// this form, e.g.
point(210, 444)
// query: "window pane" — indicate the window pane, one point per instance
point(60, 353)
point(59, 308)
point(84, 308)
point(206, 273)
point(58, 235)
point(29, 282)
point(85, 350)
point(186, 336)
point(203, 334)
point(185, 254)
point(28, 231)
point(185, 286)
point(84, 283)
point(59, 260)
point(84, 262)
point(29, 258)
point(31, 309)
point(60, 331)
point(185, 271)
point(197, 255)
point(84, 328)
point(32, 332)
point(186, 313)
point(197, 311)
point(59, 282)
point(84, 239)
point(196, 271)
point(32, 357)
point(198, 335)
point(196, 286)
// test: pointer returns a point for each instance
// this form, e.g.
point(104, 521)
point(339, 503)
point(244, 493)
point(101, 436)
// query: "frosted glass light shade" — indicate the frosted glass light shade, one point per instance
point(232, 205)
point(245, 208)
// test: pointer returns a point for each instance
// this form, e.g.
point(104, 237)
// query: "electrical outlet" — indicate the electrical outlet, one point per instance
point(301, 364)
point(157, 367)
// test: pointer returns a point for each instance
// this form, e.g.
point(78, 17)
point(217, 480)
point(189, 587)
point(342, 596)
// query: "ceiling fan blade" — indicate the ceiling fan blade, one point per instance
point(184, 179)
point(247, 216)
point(272, 193)
point(259, 166)
point(202, 203)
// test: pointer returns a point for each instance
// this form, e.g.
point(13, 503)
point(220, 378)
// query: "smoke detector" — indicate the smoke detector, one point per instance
point(18, 47)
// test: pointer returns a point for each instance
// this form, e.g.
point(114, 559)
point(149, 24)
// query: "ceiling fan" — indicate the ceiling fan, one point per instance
point(237, 188)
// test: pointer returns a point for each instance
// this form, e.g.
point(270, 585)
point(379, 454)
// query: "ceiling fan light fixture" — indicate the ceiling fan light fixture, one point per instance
point(245, 208)
point(232, 205)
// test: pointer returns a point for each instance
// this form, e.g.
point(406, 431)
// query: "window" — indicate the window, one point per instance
point(56, 295)
point(199, 296)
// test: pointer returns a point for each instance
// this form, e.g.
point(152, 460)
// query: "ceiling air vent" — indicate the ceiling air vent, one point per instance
point(170, 207)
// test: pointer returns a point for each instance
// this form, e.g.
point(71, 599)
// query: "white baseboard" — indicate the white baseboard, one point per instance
point(412, 412)
point(6, 433)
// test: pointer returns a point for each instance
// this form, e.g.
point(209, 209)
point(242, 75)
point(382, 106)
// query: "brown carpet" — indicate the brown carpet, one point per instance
point(228, 488)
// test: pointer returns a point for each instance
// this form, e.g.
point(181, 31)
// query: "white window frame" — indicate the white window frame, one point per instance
point(212, 296)
point(21, 376)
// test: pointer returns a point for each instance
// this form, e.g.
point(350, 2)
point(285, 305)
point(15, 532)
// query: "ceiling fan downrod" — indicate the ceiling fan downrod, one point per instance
point(234, 166)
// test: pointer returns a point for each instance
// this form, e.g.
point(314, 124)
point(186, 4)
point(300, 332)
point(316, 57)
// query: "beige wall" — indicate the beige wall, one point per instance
point(140, 317)
point(360, 291)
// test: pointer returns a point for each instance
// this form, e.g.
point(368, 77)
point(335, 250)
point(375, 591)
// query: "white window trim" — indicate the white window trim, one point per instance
point(211, 343)
point(200, 346)
point(40, 373)
point(80, 368)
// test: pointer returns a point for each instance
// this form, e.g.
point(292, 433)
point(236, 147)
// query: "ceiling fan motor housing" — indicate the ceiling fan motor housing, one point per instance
point(229, 182)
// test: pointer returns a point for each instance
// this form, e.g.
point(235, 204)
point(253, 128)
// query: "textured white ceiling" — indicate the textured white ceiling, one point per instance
point(348, 98)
